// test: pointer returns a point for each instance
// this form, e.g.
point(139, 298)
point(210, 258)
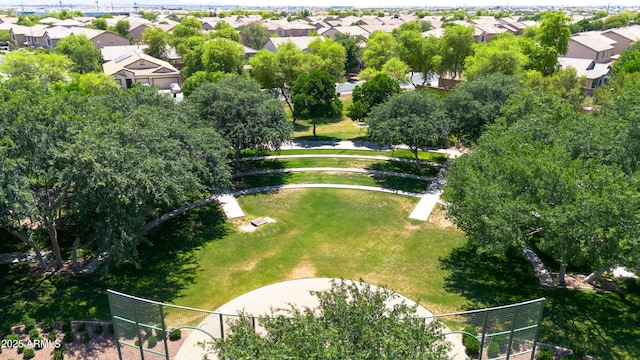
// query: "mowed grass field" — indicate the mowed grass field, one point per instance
point(328, 233)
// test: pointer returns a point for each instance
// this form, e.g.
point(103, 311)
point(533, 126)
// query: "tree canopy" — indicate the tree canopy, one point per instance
point(254, 35)
point(416, 119)
point(373, 92)
point(314, 96)
point(353, 321)
point(84, 55)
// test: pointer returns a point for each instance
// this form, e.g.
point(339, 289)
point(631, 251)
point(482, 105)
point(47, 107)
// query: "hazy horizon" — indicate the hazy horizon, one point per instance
point(107, 4)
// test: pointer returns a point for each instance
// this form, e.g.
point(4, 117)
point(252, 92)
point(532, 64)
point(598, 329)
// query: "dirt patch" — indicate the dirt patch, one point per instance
point(438, 218)
point(576, 281)
point(304, 269)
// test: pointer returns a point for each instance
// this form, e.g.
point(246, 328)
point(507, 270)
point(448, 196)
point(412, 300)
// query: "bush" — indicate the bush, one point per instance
point(58, 354)
point(493, 349)
point(545, 354)
point(52, 336)
point(111, 329)
point(34, 333)
point(12, 337)
point(29, 323)
point(471, 344)
point(38, 343)
point(98, 329)
point(175, 335)
point(28, 353)
point(137, 343)
point(85, 337)
point(81, 327)
point(569, 357)
point(20, 348)
point(152, 341)
point(68, 337)
point(66, 326)
point(47, 325)
point(161, 334)
point(5, 329)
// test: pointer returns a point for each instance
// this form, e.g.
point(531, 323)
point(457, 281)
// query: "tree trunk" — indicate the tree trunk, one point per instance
point(314, 127)
point(415, 153)
point(32, 244)
point(53, 236)
point(563, 271)
point(412, 83)
point(74, 254)
point(286, 99)
point(237, 156)
point(594, 275)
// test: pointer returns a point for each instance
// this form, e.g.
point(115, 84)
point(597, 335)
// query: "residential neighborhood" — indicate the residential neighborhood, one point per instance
point(209, 181)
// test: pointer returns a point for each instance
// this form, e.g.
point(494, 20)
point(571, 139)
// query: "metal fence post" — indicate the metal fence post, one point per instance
point(164, 332)
point(484, 331)
point(535, 340)
point(113, 323)
point(513, 327)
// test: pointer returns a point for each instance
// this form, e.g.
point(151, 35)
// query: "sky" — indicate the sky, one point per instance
point(330, 3)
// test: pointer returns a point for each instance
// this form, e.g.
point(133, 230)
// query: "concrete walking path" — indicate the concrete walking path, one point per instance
point(281, 296)
point(425, 206)
point(230, 206)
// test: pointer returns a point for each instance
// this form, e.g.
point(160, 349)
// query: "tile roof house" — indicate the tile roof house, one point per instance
point(19, 33)
point(623, 37)
point(294, 29)
point(137, 67)
point(591, 45)
point(49, 37)
point(302, 42)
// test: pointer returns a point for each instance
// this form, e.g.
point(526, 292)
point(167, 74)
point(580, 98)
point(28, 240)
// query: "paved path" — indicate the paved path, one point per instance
point(230, 206)
point(425, 206)
point(279, 296)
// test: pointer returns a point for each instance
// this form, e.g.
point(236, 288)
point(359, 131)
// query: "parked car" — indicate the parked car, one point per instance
point(175, 88)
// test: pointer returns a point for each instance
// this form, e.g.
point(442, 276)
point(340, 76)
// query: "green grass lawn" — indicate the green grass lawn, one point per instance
point(397, 153)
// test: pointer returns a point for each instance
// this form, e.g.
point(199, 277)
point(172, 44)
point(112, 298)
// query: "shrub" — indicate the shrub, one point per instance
point(175, 335)
point(152, 341)
point(51, 336)
point(47, 325)
point(545, 354)
point(66, 326)
point(493, 349)
point(137, 343)
point(34, 333)
point(29, 323)
point(28, 353)
point(58, 354)
point(569, 357)
point(161, 334)
point(38, 342)
point(5, 329)
point(111, 329)
point(68, 337)
point(471, 344)
point(98, 329)
point(81, 327)
point(12, 337)
point(20, 348)
point(85, 337)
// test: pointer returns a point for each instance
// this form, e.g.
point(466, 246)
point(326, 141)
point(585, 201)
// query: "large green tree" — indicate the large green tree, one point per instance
point(38, 65)
point(548, 176)
point(242, 113)
point(98, 164)
point(85, 56)
point(158, 40)
point(353, 52)
point(501, 55)
point(474, 104)
point(353, 321)
point(332, 56)
point(254, 35)
point(418, 52)
point(379, 49)
point(415, 119)
point(373, 92)
point(314, 96)
point(223, 55)
point(456, 44)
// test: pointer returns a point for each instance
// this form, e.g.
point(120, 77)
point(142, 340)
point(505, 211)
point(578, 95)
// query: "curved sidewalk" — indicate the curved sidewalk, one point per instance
point(280, 296)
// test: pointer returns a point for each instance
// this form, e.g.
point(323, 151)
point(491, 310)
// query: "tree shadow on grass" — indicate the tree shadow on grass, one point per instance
point(400, 183)
point(257, 181)
point(167, 266)
point(599, 323)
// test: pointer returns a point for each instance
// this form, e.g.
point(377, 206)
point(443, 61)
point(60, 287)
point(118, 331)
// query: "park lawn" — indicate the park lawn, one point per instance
point(396, 153)
point(328, 233)
point(346, 178)
point(381, 165)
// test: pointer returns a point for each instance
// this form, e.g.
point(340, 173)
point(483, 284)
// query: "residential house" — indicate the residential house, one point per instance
point(49, 37)
point(294, 29)
point(137, 67)
point(624, 37)
point(5, 19)
point(19, 33)
point(591, 45)
point(357, 32)
point(597, 74)
point(302, 42)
